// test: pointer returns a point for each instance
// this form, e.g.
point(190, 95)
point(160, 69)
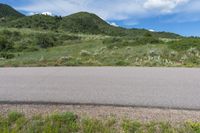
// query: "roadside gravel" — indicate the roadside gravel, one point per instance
point(140, 114)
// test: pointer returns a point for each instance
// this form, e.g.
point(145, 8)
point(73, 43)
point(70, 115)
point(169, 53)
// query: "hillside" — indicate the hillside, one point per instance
point(38, 21)
point(7, 11)
point(28, 47)
point(82, 22)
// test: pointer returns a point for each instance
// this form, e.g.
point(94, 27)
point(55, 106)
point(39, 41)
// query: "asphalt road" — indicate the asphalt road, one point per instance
point(144, 87)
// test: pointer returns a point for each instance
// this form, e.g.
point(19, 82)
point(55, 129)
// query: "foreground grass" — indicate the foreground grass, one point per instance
point(70, 123)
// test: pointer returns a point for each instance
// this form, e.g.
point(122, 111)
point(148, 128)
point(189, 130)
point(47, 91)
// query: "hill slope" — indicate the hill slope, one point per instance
point(7, 11)
point(35, 22)
point(81, 22)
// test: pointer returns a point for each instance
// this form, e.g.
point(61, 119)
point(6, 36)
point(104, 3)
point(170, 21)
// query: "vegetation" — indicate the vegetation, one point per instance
point(7, 12)
point(68, 122)
point(26, 47)
point(84, 39)
point(81, 22)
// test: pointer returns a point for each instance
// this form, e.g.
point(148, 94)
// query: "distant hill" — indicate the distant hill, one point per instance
point(38, 21)
point(82, 22)
point(9, 12)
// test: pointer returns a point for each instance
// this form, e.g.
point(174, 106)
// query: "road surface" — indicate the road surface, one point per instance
point(124, 86)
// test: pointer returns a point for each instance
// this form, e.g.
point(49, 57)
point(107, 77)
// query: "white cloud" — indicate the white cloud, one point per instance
point(47, 13)
point(151, 30)
point(111, 10)
point(43, 13)
point(113, 24)
point(165, 6)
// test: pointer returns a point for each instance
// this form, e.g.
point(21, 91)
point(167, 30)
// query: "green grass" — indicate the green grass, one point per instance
point(67, 49)
point(68, 122)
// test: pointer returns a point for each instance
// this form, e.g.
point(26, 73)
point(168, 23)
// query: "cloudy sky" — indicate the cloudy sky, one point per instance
point(179, 16)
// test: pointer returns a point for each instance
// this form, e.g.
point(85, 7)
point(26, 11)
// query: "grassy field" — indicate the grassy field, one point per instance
point(45, 48)
point(70, 123)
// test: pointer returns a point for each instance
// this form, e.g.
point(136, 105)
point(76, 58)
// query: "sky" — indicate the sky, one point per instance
point(178, 16)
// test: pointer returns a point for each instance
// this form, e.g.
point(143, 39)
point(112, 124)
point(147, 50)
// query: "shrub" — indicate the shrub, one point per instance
point(7, 55)
point(147, 40)
point(26, 44)
point(11, 35)
point(64, 59)
point(45, 41)
point(85, 53)
point(4, 44)
point(14, 116)
point(121, 63)
point(153, 52)
point(185, 44)
point(148, 34)
point(111, 40)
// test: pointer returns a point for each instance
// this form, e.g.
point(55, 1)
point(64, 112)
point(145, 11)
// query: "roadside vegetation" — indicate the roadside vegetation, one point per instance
point(68, 122)
point(27, 47)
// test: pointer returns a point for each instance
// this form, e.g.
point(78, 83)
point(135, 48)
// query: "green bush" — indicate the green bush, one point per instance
point(14, 116)
point(118, 42)
point(185, 44)
point(85, 53)
point(121, 63)
point(7, 55)
point(111, 40)
point(148, 34)
point(4, 44)
point(25, 44)
point(45, 41)
point(147, 40)
point(11, 35)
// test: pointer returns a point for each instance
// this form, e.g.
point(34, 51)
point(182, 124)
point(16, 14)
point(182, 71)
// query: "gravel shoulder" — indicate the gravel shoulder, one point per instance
point(139, 114)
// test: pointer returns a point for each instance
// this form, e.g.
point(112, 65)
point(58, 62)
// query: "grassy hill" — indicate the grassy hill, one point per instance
point(38, 21)
point(9, 12)
point(82, 22)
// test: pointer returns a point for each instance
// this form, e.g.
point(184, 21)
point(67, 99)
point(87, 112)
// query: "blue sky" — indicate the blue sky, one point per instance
point(179, 16)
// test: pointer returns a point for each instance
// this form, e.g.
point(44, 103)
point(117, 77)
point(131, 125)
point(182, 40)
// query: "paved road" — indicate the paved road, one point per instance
point(145, 87)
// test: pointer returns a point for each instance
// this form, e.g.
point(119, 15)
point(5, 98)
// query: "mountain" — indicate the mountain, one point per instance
point(82, 22)
point(8, 12)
